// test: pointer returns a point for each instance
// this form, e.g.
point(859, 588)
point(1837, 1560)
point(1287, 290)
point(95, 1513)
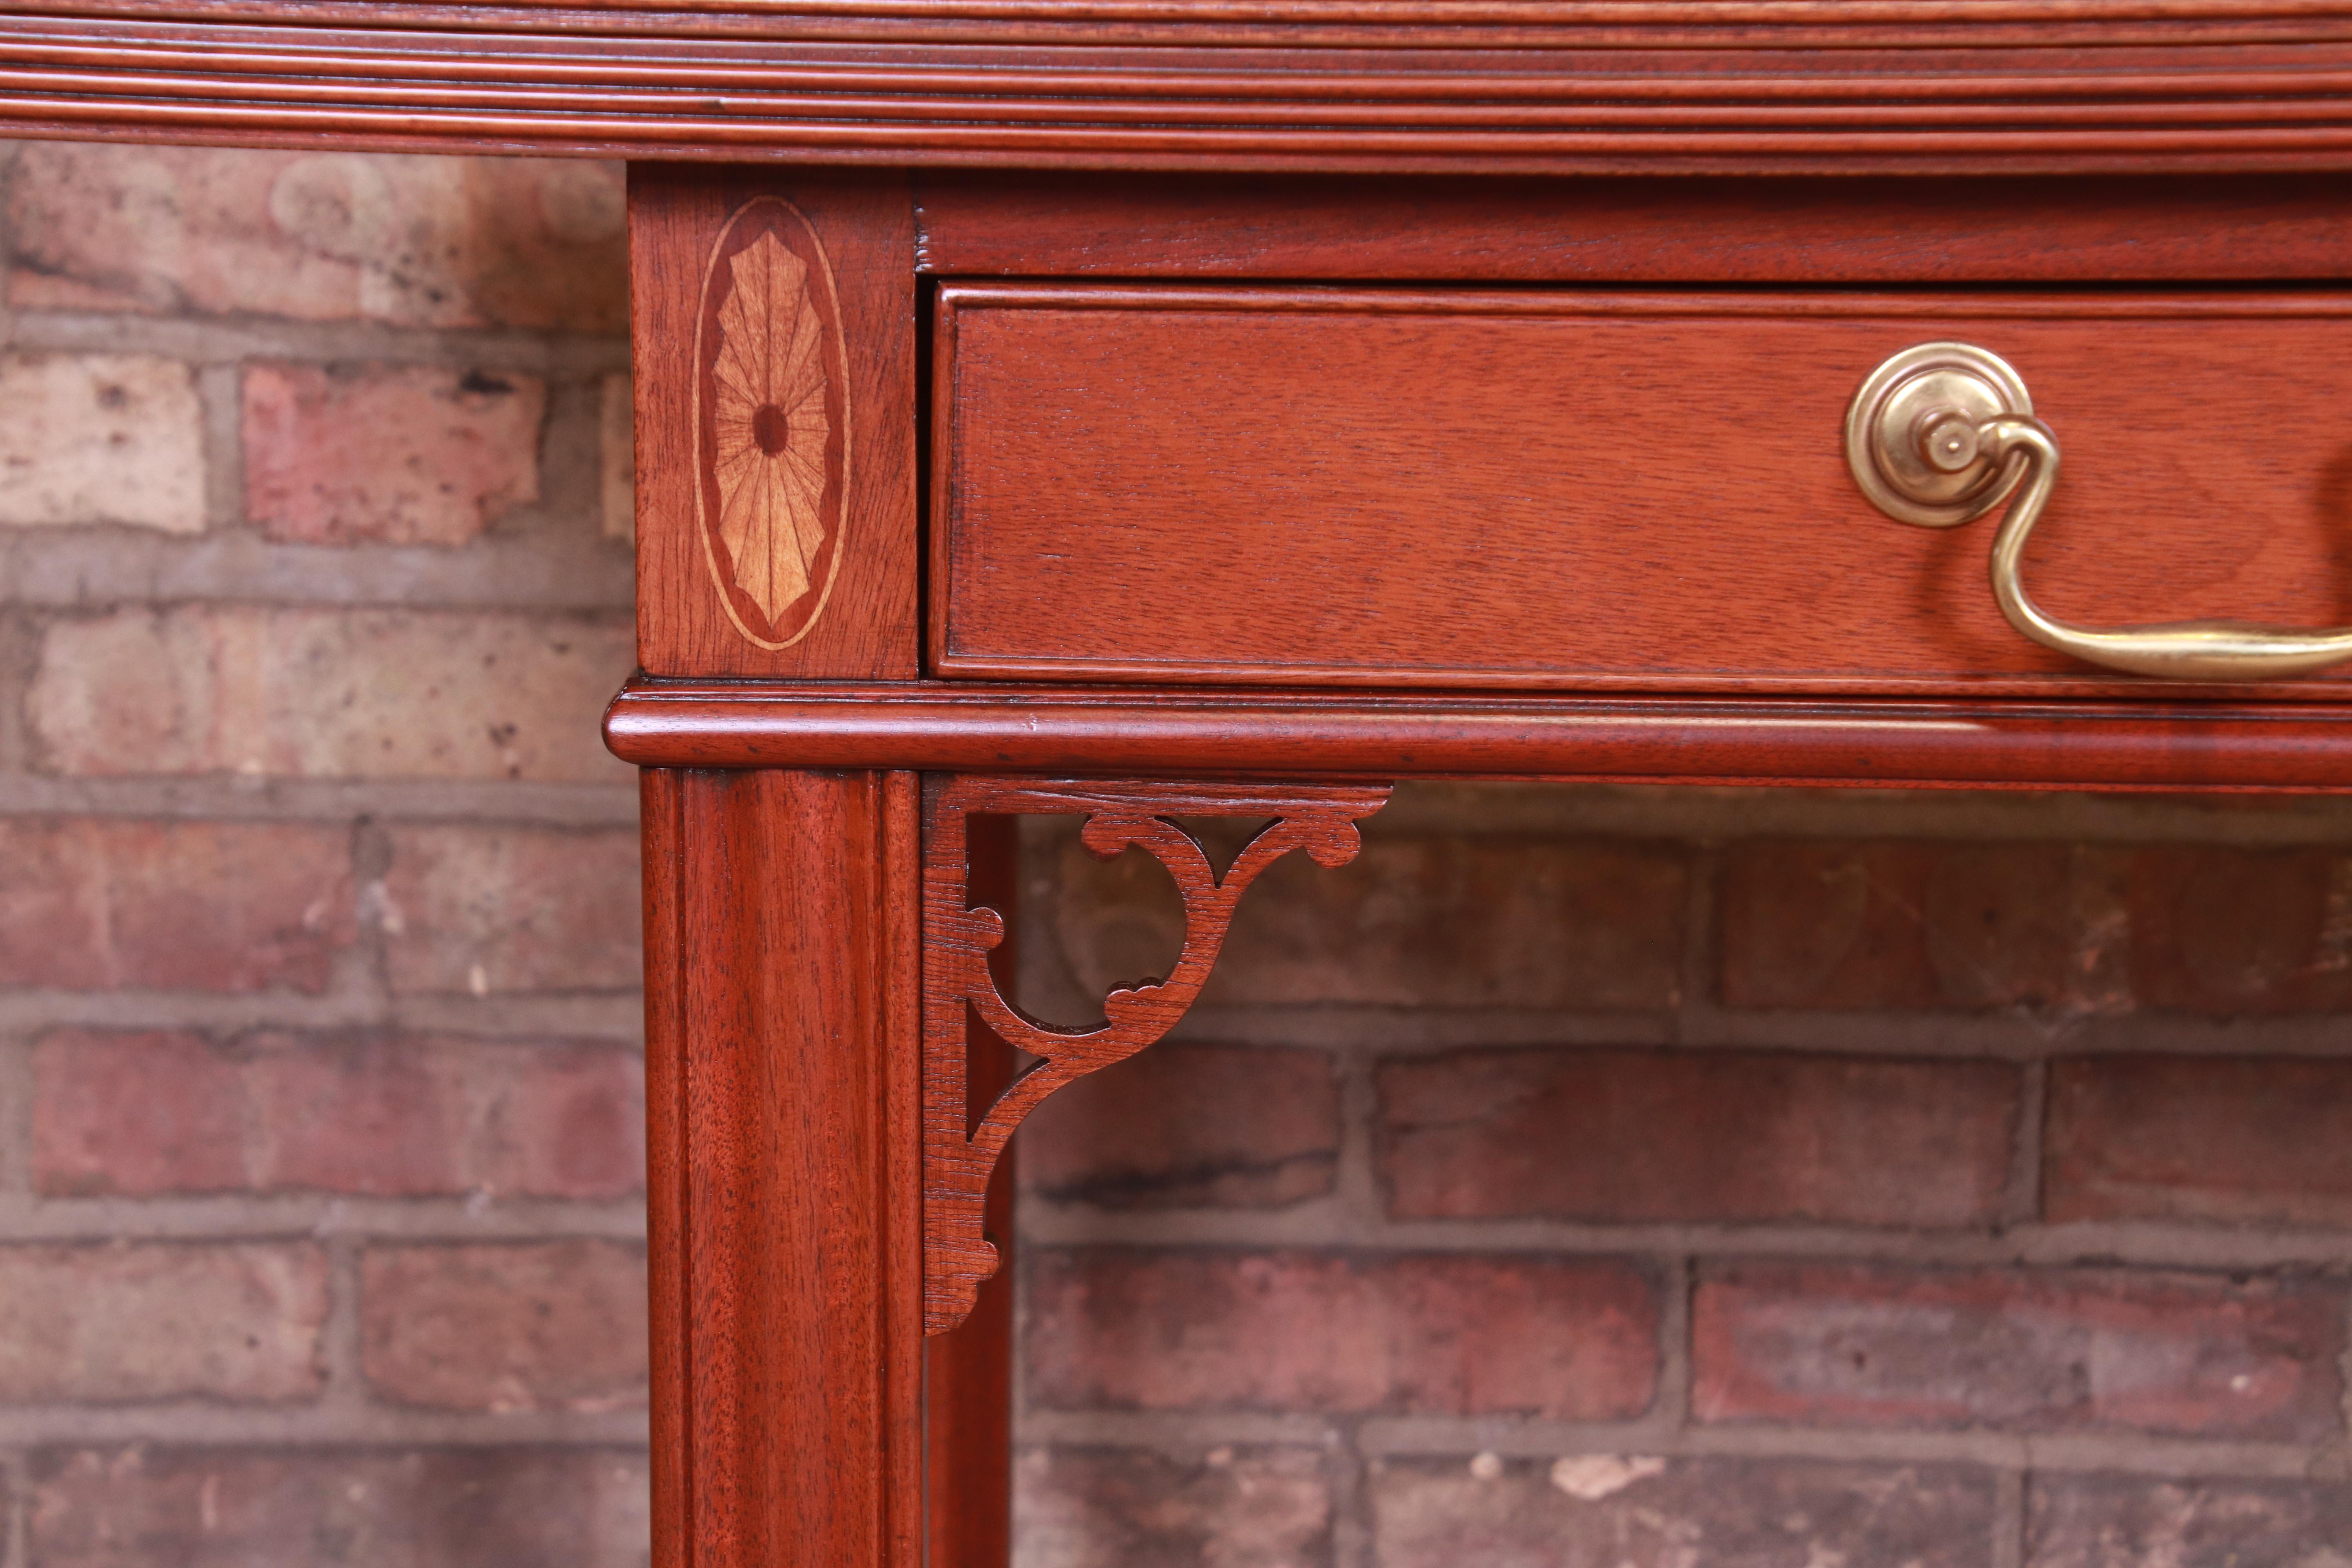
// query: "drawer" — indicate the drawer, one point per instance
point(1601, 489)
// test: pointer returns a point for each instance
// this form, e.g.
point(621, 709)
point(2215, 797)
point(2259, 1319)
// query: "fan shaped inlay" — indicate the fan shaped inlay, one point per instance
point(772, 415)
point(771, 425)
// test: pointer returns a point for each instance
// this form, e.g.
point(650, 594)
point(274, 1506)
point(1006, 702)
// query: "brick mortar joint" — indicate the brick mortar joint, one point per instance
point(501, 1015)
point(32, 1429)
point(200, 339)
point(1384, 1436)
point(2022, 1202)
point(390, 803)
point(20, 657)
point(341, 1356)
point(2124, 1244)
point(1706, 817)
point(1920, 1033)
point(16, 1115)
point(365, 1236)
point(2009, 1522)
point(220, 406)
point(1676, 1283)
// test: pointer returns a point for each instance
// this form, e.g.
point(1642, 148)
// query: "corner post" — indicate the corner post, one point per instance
point(784, 1105)
point(772, 358)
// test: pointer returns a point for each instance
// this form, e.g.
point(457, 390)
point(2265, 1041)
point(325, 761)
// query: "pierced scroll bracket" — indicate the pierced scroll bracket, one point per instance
point(958, 1156)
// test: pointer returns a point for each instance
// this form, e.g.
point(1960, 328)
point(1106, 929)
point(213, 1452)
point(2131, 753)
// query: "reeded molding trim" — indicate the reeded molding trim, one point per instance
point(1502, 86)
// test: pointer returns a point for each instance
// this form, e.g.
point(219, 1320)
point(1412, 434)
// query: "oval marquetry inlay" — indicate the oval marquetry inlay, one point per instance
point(772, 423)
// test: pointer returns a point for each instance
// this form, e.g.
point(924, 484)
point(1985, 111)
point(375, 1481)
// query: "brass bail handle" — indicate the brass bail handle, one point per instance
point(1941, 433)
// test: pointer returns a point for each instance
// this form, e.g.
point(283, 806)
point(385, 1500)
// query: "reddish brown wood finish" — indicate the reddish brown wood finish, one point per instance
point(968, 1381)
point(1868, 231)
point(2299, 747)
point(783, 1090)
point(962, 1140)
point(1536, 86)
point(683, 225)
point(1602, 492)
point(670, 1291)
point(782, 955)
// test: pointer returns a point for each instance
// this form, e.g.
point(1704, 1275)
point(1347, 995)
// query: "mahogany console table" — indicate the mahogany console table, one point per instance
point(1145, 408)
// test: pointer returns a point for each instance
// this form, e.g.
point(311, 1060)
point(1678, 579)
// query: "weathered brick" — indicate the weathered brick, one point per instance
point(2255, 1140)
point(1436, 1335)
point(224, 1321)
point(617, 460)
point(1899, 925)
point(1430, 922)
point(330, 693)
point(152, 1342)
point(2056, 1351)
point(482, 910)
point(1177, 1126)
point(2139, 1521)
point(557, 1121)
point(2217, 928)
point(413, 241)
point(153, 1112)
point(420, 1116)
point(144, 1113)
point(1124, 1508)
point(553, 1325)
point(100, 438)
point(438, 1507)
point(391, 454)
point(1632, 1135)
point(1634, 1511)
point(198, 906)
point(372, 1117)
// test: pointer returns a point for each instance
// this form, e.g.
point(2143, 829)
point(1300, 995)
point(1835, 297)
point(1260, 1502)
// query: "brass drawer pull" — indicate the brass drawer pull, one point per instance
point(1940, 432)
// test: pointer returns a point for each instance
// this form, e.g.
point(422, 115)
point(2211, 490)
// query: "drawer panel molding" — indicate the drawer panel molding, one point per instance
point(1598, 490)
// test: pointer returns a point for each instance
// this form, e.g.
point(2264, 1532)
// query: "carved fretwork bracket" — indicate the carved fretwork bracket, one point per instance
point(957, 1155)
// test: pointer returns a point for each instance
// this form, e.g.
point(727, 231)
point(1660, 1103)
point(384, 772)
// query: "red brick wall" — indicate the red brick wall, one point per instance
point(1650, 1179)
point(320, 1156)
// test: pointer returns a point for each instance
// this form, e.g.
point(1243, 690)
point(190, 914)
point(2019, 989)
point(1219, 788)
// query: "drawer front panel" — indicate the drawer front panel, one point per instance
point(1601, 490)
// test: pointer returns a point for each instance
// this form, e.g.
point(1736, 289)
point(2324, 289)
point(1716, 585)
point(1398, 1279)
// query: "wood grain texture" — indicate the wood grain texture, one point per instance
point(773, 424)
point(968, 1372)
point(962, 1140)
point(660, 807)
point(704, 607)
point(1238, 731)
point(784, 1203)
point(1544, 86)
point(1597, 491)
point(1868, 231)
